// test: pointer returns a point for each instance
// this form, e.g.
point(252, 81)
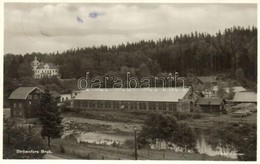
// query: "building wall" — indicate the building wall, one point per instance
point(23, 108)
point(210, 108)
point(44, 72)
point(74, 94)
point(240, 102)
point(17, 108)
point(93, 104)
point(64, 97)
point(181, 105)
point(40, 73)
point(187, 104)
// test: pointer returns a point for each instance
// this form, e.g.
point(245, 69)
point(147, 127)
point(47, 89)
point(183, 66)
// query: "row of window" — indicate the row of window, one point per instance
point(42, 75)
point(64, 98)
point(17, 113)
point(126, 105)
point(47, 71)
point(19, 105)
point(33, 96)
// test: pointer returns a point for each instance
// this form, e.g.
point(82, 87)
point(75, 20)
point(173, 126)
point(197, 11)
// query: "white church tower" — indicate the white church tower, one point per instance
point(35, 63)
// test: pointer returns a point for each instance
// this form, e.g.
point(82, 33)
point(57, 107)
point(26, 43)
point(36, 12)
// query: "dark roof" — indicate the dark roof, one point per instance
point(207, 79)
point(138, 94)
point(40, 66)
point(51, 66)
point(208, 101)
point(22, 92)
point(245, 97)
point(55, 94)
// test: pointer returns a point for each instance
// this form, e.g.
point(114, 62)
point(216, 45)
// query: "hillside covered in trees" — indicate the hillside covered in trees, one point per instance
point(233, 52)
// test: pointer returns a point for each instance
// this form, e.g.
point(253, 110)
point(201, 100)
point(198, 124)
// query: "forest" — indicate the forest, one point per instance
point(232, 52)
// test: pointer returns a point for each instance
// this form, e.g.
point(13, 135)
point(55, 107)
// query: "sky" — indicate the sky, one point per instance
point(47, 28)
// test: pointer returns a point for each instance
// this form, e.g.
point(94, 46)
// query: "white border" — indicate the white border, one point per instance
point(113, 1)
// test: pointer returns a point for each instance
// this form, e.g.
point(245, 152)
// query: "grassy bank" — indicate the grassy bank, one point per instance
point(69, 148)
point(196, 120)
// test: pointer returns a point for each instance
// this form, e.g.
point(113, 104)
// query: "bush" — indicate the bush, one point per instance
point(81, 156)
point(183, 116)
point(196, 116)
point(129, 143)
point(62, 150)
point(114, 144)
point(167, 128)
point(240, 137)
point(92, 155)
point(65, 110)
point(21, 137)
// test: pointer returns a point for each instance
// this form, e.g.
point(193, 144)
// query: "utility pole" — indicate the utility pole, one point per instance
point(135, 144)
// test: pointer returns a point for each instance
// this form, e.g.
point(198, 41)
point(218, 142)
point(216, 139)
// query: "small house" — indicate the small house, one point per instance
point(74, 93)
point(245, 97)
point(65, 97)
point(212, 105)
point(72, 86)
point(21, 101)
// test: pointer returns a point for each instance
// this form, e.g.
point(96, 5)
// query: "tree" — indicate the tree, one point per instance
point(159, 127)
point(130, 144)
point(198, 53)
point(240, 138)
point(28, 81)
point(50, 118)
point(221, 91)
point(10, 84)
point(143, 142)
point(185, 138)
point(240, 75)
point(21, 138)
point(13, 69)
point(144, 70)
point(25, 70)
point(231, 94)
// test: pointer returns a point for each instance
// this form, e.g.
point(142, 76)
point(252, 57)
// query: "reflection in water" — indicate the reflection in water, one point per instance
point(204, 148)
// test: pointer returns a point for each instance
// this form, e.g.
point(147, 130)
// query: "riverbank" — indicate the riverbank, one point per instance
point(202, 123)
point(89, 135)
point(119, 119)
point(69, 148)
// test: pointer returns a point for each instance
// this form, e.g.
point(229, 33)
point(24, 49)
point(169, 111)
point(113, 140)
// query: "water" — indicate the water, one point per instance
point(204, 148)
point(109, 138)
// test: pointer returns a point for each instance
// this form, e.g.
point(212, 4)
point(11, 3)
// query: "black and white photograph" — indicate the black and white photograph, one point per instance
point(129, 80)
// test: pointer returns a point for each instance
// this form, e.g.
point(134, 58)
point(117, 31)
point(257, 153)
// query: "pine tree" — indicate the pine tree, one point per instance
point(50, 118)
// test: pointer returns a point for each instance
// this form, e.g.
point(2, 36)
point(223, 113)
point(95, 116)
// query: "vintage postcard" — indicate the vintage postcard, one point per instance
point(130, 80)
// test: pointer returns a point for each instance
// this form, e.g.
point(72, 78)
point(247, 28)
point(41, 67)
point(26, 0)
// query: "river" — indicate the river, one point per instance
point(111, 137)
